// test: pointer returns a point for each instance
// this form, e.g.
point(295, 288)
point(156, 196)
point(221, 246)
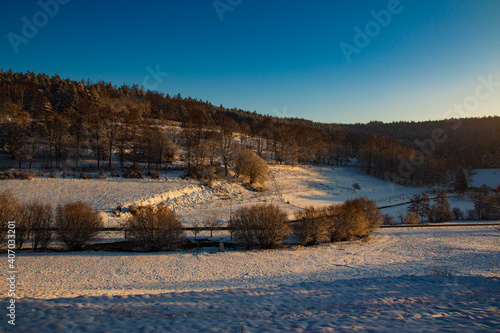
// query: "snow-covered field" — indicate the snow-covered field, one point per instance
point(488, 177)
point(377, 286)
point(382, 285)
point(291, 188)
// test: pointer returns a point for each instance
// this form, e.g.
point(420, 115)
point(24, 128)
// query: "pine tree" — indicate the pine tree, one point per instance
point(460, 184)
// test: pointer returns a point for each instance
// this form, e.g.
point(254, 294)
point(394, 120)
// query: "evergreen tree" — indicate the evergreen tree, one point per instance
point(461, 185)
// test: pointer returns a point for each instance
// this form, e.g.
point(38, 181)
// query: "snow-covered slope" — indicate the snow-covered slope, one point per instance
point(377, 286)
point(290, 187)
point(488, 177)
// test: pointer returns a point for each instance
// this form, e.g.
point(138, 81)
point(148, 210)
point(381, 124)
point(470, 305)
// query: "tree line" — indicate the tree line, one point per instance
point(60, 123)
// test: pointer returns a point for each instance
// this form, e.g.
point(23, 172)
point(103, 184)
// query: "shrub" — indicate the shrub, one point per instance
point(85, 176)
point(156, 228)
point(10, 210)
point(389, 219)
point(52, 174)
point(133, 172)
point(371, 211)
point(442, 270)
point(9, 175)
point(154, 174)
point(77, 224)
point(356, 187)
point(29, 175)
point(311, 227)
point(101, 175)
point(39, 220)
point(348, 221)
point(412, 218)
point(264, 225)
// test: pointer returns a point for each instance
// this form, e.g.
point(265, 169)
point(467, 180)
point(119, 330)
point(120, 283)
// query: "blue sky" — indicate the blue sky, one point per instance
point(281, 58)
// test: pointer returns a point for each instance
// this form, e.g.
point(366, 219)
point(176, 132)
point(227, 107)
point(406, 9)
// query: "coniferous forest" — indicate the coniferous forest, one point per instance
point(58, 123)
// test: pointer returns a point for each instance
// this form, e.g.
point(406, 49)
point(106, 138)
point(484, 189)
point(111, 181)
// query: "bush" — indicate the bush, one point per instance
point(39, 219)
point(412, 218)
point(133, 172)
point(311, 227)
point(348, 221)
point(263, 225)
point(29, 175)
point(85, 176)
point(442, 270)
point(389, 219)
point(156, 228)
point(154, 174)
point(371, 211)
point(52, 174)
point(77, 224)
point(101, 175)
point(10, 210)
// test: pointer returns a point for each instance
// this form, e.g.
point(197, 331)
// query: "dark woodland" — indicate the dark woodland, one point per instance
point(59, 123)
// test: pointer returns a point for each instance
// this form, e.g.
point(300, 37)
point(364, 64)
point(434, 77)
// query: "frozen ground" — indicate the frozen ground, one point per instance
point(377, 286)
point(291, 188)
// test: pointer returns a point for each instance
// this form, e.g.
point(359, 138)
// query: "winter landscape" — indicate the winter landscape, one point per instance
point(410, 279)
point(249, 166)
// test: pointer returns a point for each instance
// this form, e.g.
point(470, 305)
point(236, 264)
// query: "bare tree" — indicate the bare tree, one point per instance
point(211, 223)
point(226, 127)
point(247, 163)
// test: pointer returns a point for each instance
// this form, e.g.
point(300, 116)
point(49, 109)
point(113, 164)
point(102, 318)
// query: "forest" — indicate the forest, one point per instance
point(64, 124)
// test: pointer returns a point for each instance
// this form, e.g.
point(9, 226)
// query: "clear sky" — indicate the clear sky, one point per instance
point(329, 61)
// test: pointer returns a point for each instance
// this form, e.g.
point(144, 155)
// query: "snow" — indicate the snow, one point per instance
point(353, 286)
point(384, 284)
point(488, 177)
point(292, 188)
